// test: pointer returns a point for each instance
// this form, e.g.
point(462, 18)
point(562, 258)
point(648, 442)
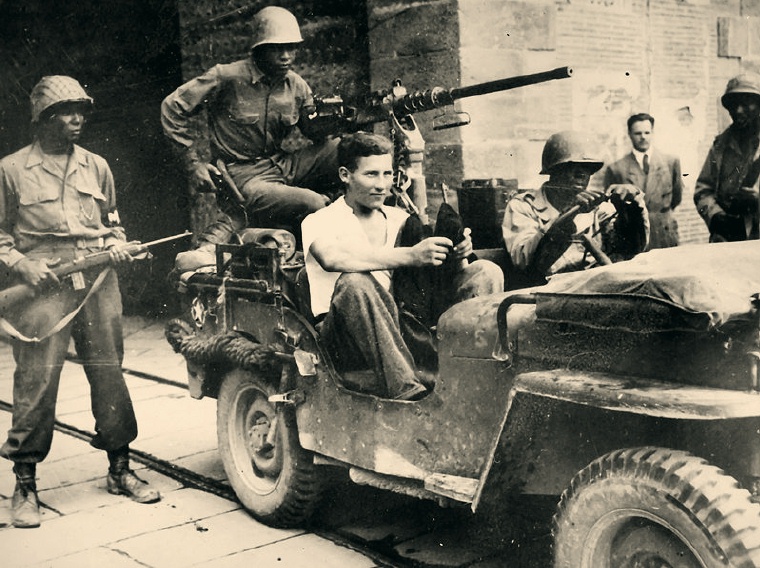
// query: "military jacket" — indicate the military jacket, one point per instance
point(41, 206)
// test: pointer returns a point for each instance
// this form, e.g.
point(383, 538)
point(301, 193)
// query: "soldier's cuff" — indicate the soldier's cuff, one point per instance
point(13, 257)
point(117, 239)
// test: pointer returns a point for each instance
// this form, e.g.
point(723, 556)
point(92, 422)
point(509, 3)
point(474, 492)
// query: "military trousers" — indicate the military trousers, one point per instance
point(280, 191)
point(98, 341)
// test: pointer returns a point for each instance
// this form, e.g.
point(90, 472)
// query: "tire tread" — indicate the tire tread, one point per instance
point(710, 495)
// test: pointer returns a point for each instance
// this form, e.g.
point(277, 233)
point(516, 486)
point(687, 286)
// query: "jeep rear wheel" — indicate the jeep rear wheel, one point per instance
point(658, 508)
point(274, 478)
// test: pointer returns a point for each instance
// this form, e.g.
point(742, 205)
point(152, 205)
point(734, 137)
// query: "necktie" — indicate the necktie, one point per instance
point(646, 164)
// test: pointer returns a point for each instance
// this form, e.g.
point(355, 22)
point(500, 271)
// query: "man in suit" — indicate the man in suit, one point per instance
point(656, 174)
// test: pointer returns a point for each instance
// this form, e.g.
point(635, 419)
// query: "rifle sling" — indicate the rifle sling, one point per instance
point(8, 328)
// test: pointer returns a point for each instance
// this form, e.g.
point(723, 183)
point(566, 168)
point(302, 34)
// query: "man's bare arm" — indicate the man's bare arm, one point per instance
point(336, 255)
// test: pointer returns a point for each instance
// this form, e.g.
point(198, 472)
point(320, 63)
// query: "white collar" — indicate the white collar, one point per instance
point(640, 156)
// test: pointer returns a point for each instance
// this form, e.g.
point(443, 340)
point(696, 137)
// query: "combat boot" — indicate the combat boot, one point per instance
point(25, 503)
point(123, 481)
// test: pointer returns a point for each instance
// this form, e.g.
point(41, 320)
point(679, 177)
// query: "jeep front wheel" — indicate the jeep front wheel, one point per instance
point(274, 478)
point(652, 507)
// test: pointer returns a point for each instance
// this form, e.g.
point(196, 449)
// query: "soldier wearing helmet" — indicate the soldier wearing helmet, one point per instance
point(57, 203)
point(539, 226)
point(252, 105)
point(726, 192)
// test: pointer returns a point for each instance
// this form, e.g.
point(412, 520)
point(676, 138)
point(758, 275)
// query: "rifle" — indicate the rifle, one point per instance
point(397, 106)
point(17, 293)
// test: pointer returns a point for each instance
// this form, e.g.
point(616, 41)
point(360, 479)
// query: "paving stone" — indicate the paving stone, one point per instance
point(72, 470)
point(101, 556)
point(66, 446)
point(5, 513)
point(135, 324)
point(165, 364)
point(7, 480)
point(204, 540)
point(106, 525)
point(179, 445)
point(206, 463)
point(93, 494)
point(169, 414)
point(303, 551)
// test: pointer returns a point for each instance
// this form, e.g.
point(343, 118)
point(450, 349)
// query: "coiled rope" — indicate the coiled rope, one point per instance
point(227, 349)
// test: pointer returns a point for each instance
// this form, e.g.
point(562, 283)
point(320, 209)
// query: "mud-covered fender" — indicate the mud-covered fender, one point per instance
point(557, 421)
point(639, 396)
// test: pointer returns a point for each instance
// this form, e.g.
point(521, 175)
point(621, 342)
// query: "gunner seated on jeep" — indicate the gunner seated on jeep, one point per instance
point(355, 250)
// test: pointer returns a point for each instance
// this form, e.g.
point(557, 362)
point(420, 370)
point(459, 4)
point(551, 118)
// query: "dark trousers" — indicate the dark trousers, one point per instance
point(363, 328)
point(97, 335)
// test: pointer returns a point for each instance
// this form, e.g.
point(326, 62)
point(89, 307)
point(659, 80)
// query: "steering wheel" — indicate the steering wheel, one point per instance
point(591, 247)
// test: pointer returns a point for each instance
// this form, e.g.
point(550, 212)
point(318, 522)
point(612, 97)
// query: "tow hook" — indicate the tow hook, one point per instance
point(293, 397)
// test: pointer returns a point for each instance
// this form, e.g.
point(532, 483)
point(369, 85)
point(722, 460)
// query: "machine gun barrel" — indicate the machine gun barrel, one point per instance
point(510, 83)
point(437, 97)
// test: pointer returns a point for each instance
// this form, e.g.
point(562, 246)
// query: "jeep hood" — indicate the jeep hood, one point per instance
point(687, 288)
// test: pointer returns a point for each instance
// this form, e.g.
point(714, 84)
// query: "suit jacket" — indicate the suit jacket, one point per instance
point(663, 190)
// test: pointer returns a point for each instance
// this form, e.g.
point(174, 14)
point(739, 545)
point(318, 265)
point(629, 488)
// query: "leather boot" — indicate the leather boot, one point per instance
point(123, 481)
point(25, 504)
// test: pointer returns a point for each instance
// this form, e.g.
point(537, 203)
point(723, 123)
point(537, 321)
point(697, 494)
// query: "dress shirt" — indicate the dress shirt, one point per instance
point(640, 158)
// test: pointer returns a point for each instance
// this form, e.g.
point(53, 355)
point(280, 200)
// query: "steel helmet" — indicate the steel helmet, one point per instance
point(566, 147)
point(54, 89)
point(275, 25)
point(746, 83)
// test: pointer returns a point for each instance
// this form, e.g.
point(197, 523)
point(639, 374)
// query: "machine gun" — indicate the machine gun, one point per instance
point(396, 106)
point(17, 293)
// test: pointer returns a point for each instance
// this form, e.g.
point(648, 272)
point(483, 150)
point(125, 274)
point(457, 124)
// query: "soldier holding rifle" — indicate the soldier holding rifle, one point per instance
point(726, 194)
point(58, 203)
point(564, 225)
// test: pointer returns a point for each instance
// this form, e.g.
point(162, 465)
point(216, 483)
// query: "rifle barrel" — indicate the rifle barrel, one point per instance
point(165, 239)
